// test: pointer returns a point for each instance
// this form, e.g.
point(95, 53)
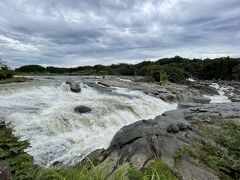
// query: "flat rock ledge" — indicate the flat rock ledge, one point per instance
point(168, 92)
point(143, 141)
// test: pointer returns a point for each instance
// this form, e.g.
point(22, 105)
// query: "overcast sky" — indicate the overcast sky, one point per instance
point(88, 32)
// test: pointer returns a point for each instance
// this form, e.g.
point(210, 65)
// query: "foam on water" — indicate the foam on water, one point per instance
point(45, 116)
point(221, 98)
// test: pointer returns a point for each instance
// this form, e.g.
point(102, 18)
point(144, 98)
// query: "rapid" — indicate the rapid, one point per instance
point(43, 113)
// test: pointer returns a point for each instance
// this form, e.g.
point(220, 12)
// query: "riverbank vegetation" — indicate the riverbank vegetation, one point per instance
point(174, 69)
point(5, 73)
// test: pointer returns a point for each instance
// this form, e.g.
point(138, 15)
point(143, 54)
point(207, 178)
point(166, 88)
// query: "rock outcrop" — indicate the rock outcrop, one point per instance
point(203, 86)
point(74, 87)
point(146, 140)
point(168, 92)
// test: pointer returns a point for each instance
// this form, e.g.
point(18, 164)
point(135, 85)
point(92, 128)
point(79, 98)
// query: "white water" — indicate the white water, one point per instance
point(221, 98)
point(190, 79)
point(45, 116)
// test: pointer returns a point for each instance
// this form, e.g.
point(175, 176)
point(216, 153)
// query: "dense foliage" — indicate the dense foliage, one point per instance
point(31, 68)
point(12, 154)
point(174, 69)
point(5, 71)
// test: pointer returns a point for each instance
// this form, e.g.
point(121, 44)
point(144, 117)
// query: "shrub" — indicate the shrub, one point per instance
point(5, 73)
point(12, 154)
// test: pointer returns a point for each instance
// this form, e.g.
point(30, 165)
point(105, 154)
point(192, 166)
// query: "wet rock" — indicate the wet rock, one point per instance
point(235, 99)
point(95, 157)
point(103, 84)
point(202, 100)
point(206, 89)
point(82, 109)
point(74, 87)
point(187, 105)
point(98, 87)
point(173, 128)
point(57, 164)
point(167, 96)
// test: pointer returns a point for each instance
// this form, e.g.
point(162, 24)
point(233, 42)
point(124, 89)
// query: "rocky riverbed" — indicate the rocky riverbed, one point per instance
point(178, 137)
point(115, 121)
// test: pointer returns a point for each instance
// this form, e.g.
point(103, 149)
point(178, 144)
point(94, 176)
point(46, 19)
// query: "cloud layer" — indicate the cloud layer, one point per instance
point(87, 32)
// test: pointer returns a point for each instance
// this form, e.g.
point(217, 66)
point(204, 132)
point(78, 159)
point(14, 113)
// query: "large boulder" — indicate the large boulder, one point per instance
point(165, 137)
point(82, 109)
point(74, 87)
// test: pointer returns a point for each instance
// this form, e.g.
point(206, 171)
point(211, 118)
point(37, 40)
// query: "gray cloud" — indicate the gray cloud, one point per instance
point(87, 32)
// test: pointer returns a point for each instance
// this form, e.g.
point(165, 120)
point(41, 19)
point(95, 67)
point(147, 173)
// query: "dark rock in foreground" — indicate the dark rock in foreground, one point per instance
point(82, 109)
point(143, 141)
point(74, 87)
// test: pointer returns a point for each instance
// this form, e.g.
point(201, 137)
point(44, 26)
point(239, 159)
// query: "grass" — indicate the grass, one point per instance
point(14, 80)
point(157, 170)
point(223, 156)
point(82, 173)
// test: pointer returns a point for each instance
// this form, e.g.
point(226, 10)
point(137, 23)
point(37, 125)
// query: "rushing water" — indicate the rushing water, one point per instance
point(221, 98)
point(43, 113)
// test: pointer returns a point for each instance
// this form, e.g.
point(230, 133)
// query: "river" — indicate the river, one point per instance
point(42, 112)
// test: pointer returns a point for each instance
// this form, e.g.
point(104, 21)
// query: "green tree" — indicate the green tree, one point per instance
point(31, 68)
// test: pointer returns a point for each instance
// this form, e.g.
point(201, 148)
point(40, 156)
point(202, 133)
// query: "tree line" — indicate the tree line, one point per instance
point(173, 69)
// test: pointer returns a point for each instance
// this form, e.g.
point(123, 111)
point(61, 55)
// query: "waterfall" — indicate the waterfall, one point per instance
point(45, 116)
